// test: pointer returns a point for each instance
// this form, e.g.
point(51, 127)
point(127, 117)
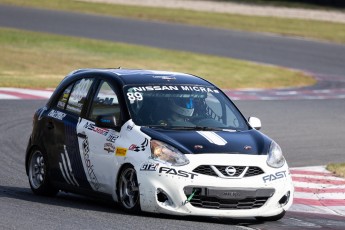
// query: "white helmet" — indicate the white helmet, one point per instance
point(182, 106)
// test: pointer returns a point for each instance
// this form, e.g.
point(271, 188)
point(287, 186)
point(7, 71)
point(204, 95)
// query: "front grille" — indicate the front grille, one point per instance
point(216, 203)
point(220, 171)
point(253, 171)
point(205, 169)
point(230, 199)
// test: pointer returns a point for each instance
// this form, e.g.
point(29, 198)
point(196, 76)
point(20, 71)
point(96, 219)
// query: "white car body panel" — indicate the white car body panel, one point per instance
point(151, 180)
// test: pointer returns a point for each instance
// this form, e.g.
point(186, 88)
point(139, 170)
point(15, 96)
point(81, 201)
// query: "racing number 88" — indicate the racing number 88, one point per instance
point(135, 96)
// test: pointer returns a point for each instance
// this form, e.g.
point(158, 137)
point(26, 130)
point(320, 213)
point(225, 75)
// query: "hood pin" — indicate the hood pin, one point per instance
point(198, 147)
point(247, 147)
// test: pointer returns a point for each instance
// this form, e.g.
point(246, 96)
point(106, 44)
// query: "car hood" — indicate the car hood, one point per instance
point(198, 142)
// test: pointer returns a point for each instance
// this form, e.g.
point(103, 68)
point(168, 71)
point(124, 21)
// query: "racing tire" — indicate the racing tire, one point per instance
point(271, 218)
point(128, 190)
point(38, 174)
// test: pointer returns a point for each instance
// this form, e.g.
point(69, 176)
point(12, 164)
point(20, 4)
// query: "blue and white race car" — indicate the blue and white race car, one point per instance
point(156, 141)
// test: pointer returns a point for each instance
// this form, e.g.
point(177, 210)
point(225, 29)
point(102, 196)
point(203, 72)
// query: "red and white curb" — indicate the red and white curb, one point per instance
point(318, 191)
point(20, 94)
point(286, 94)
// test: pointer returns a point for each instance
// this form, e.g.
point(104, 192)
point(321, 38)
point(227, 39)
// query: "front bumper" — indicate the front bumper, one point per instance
point(180, 191)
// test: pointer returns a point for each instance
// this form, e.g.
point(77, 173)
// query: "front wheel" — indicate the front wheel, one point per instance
point(128, 190)
point(271, 218)
point(38, 174)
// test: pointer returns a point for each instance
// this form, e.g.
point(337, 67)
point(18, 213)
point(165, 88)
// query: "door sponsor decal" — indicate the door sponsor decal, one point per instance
point(120, 152)
point(112, 138)
point(109, 147)
point(57, 114)
point(213, 138)
point(88, 166)
point(92, 127)
point(66, 169)
point(142, 147)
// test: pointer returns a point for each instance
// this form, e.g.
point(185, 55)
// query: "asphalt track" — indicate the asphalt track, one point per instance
point(20, 209)
point(311, 132)
point(316, 57)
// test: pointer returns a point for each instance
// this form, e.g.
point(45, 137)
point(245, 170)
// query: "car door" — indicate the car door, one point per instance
point(61, 136)
point(97, 144)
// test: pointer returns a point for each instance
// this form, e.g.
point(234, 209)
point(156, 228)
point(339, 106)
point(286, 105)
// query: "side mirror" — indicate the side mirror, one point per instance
point(254, 122)
point(106, 121)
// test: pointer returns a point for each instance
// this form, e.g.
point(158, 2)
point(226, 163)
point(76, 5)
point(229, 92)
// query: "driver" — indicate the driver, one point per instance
point(181, 110)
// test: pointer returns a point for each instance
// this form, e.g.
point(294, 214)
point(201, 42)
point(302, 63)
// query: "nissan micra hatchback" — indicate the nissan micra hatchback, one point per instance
point(156, 141)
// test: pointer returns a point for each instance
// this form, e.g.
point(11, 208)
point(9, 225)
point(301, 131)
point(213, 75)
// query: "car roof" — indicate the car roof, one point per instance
point(141, 76)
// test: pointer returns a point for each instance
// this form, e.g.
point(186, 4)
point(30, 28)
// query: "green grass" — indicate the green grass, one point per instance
point(328, 31)
point(337, 168)
point(37, 60)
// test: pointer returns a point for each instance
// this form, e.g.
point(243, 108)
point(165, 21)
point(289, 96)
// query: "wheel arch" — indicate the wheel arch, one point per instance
point(39, 185)
point(127, 164)
point(27, 156)
point(29, 150)
point(127, 189)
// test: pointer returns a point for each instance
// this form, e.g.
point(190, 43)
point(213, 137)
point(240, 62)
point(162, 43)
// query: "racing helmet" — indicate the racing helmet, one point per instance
point(182, 106)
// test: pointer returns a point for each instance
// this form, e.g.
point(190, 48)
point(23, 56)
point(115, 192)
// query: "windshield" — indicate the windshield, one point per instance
point(182, 107)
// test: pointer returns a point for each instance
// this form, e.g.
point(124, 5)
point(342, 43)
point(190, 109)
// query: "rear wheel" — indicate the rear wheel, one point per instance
point(271, 218)
point(38, 174)
point(128, 190)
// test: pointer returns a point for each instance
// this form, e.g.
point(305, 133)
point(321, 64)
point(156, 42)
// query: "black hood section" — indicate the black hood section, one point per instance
point(198, 142)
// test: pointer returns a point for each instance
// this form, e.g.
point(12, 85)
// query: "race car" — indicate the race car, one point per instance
point(156, 141)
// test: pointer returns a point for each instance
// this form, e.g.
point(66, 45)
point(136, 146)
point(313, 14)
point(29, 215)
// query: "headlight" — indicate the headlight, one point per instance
point(275, 156)
point(164, 152)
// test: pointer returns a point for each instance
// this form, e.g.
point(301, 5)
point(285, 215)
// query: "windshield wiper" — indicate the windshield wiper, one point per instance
point(198, 128)
point(171, 127)
point(178, 127)
point(206, 128)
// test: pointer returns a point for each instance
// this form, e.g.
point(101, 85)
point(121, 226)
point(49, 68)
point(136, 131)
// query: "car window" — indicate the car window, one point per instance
point(231, 118)
point(64, 97)
point(78, 95)
point(213, 108)
point(105, 102)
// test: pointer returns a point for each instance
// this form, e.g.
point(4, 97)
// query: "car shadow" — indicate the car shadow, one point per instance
point(74, 201)
point(61, 199)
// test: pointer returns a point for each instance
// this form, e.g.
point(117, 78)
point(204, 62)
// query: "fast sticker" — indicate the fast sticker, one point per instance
point(120, 152)
point(172, 171)
point(276, 176)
